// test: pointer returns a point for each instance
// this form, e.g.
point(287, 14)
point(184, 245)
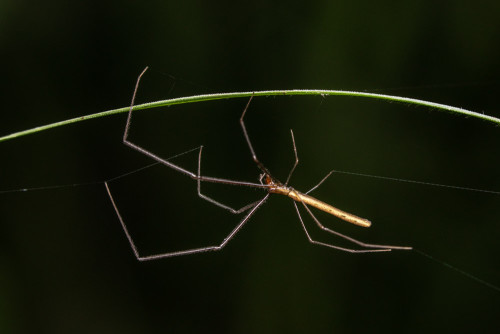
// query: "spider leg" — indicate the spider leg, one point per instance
point(311, 240)
point(186, 251)
point(296, 160)
point(320, 182)
point(370, 247)
point(247, 138)
point(165, 161)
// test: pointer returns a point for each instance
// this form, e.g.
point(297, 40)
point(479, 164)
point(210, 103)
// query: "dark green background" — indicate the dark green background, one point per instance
point(65, 265)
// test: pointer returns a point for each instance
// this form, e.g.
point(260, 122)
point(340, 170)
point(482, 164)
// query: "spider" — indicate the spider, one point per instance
point(267, 183)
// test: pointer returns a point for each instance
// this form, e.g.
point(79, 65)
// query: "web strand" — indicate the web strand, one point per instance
point(419, 182)
point(460, 271)
point(69, 185)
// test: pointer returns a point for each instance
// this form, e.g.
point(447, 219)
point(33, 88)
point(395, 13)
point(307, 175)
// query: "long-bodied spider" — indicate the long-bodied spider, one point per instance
point(267, 182)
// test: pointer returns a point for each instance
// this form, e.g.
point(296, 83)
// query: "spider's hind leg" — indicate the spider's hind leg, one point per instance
point(370, 248)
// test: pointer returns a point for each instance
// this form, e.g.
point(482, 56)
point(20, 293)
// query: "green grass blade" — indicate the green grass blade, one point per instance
point(220, 96)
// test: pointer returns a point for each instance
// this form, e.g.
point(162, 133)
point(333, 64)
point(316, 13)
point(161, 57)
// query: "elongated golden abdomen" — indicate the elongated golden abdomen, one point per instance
point(309, 200)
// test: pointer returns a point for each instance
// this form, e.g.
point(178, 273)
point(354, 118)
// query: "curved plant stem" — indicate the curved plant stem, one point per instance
point(219, 96)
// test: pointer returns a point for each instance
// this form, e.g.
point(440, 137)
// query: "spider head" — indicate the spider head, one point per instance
point(269, 181)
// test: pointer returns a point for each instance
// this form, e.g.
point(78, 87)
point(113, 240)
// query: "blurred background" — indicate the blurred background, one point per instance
point(65, 264)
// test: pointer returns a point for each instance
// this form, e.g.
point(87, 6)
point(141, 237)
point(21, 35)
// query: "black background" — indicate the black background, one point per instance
point(65, 265)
